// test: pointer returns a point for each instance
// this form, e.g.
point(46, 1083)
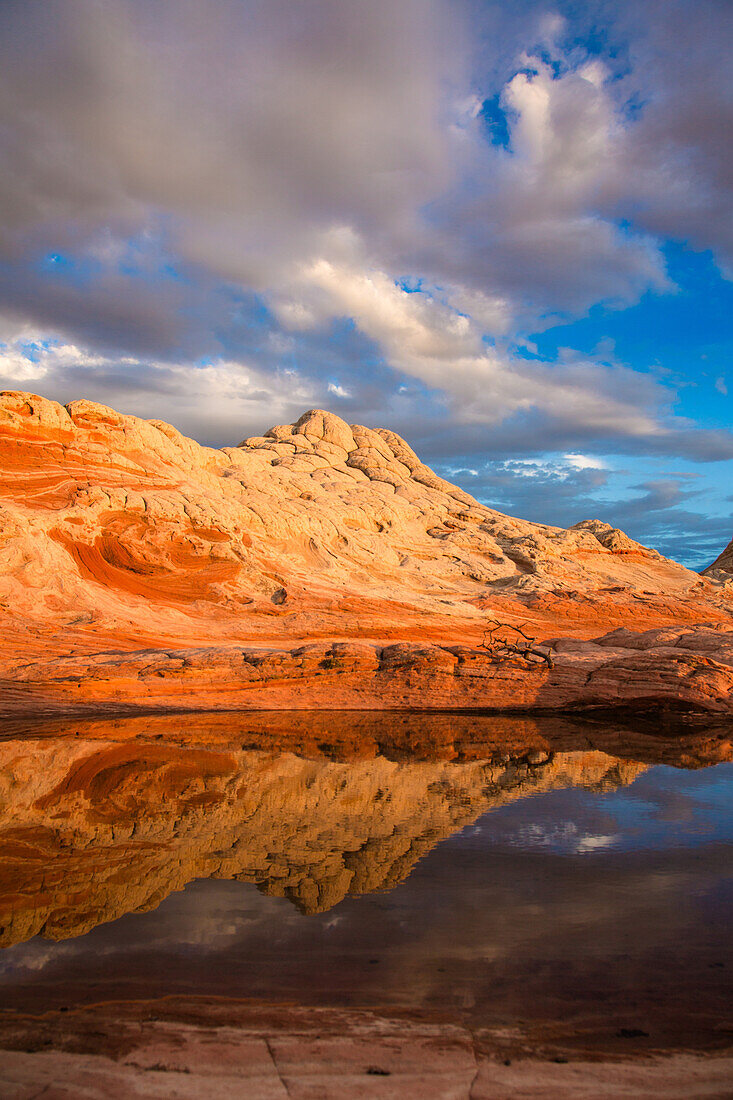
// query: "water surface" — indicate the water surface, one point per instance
point(505, 872)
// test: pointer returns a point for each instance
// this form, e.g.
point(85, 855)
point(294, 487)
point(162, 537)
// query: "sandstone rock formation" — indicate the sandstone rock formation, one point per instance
point(132, 557)
point(676, 668)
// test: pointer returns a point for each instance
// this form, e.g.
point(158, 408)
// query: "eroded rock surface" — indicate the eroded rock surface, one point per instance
point(680, 668)
point(722, 568)
point(124, 543)
point(224, 1049)
point(228, 1050)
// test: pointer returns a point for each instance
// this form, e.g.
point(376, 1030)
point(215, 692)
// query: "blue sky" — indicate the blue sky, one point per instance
point(503, 230)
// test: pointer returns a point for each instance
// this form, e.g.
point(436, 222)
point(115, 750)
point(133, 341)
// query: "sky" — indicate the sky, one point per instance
point(501, 229)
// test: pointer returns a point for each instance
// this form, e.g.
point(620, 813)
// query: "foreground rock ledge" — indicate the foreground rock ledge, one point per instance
point(678, 668)
point(228, 1050)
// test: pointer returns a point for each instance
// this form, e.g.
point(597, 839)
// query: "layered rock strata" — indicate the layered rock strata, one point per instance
point(675, 668)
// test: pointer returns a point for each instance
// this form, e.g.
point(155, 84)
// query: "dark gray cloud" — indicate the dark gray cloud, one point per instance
point(244, 124)
point(247, 132)
point(534, 432)
point(680, 148)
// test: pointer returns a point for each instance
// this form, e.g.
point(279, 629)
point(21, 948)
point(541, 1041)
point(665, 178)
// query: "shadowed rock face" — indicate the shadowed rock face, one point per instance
point(134, 554)
point(112, 817)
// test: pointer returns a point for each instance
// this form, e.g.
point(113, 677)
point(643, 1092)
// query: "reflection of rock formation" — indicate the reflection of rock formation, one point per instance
point(91, 830)
point(679, 740)
point(96, 826)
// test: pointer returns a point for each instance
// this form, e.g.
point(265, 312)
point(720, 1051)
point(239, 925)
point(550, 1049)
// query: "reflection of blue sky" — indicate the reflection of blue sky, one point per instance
point(664, 808)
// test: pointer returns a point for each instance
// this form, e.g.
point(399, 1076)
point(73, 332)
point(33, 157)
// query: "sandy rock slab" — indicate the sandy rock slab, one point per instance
point(318, 1054)
point(678, 1077)
point(306, 1054)
point(687, 668)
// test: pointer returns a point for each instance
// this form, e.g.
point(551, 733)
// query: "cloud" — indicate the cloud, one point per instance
point(678, 148)
point(232, 207)
point(659, 496)
point(419, 335)
point(424, 337)
point(584, 462)
point(246, 135)
point(251, 128)
point(337, 390)
point(656, 512)
point(220, 399)
point(539, 222)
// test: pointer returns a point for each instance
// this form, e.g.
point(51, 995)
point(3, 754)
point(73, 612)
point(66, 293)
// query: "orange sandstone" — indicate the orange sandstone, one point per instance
point(322, 564)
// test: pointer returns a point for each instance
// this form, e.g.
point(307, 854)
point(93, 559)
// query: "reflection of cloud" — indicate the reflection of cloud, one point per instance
point(562, 836)
point(593, 843)
point(37, 954)
point(311, 831)
point(203, 920)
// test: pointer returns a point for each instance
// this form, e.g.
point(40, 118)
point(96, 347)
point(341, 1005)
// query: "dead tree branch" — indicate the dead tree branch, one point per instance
point(505, 640)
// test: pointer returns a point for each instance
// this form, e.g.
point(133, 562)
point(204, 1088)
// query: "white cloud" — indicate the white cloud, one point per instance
point(563, 467)
point(337, 391)
point(323, 157)
point(220, 400)
point(584, 462)
point(425, 338)
point(17, 367)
